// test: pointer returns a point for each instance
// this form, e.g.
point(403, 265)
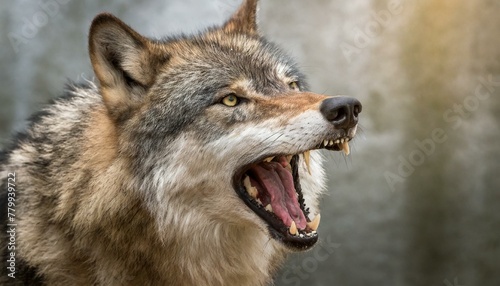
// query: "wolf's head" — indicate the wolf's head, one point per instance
point(219, 131)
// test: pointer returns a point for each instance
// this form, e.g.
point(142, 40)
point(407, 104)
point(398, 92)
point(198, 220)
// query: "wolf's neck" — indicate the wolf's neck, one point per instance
point(201, 252)
point(224, 256)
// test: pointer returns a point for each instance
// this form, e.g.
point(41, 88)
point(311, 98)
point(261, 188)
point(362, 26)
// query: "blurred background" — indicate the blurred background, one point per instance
point(418, 200)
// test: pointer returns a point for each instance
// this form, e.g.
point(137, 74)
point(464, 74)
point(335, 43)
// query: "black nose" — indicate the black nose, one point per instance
point(342, 112)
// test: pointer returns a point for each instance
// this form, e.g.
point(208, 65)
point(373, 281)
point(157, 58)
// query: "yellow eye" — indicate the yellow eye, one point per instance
point(231, 100)
point(294, 85)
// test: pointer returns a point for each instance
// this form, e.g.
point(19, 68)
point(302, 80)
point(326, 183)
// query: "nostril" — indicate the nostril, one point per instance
point(339, 114)
point(342, 112)
point(356, 110)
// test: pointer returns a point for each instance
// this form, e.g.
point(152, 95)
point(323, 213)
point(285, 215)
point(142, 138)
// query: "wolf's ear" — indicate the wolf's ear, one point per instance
point(244, 20)
point(124, 62)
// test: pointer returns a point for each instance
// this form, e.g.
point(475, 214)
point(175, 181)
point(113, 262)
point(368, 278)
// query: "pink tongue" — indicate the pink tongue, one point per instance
point(275, 186)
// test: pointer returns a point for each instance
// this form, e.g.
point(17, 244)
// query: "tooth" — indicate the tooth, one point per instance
point(269, 208)
point(251, 190)
point(314, 223)
point(331, 142)
point(269, 159)
point(307, 159)
point(326, 142)
point(259, 202)
point(293, 228)
point(337, 141)
point(345, 148)
point(301, 235)
point(246, 183)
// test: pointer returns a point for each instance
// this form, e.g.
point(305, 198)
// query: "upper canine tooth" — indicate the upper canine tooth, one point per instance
point(345, 148)
point(313, 225)
point(293, 228)
point(307, 160)
point(326, 142)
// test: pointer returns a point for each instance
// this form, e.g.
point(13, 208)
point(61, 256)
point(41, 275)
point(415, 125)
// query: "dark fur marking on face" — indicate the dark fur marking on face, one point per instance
point(237, 116)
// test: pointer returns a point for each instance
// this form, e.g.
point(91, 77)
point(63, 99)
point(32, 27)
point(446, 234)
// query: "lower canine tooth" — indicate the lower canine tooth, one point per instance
point(345, 148)
point(251, 190)
point(293, 228)
point(246, 182)
point(314, 223)
point(307, 160)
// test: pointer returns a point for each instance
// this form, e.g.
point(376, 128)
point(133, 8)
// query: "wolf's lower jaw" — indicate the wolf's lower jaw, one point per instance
point(271, 188)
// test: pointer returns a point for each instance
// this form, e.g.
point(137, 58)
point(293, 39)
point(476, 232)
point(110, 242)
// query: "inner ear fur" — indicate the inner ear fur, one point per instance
point(244, 20)
point(124, 62)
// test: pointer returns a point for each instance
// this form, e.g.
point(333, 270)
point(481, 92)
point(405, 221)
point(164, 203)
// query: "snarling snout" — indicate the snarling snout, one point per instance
point(271, 186)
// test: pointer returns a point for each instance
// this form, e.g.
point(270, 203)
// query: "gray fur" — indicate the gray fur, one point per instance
point(129, 181)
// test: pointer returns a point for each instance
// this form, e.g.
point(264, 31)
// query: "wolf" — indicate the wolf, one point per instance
point(191, 160)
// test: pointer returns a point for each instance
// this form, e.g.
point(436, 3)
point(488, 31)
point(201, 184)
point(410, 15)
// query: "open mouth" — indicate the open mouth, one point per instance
point(271, 188)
